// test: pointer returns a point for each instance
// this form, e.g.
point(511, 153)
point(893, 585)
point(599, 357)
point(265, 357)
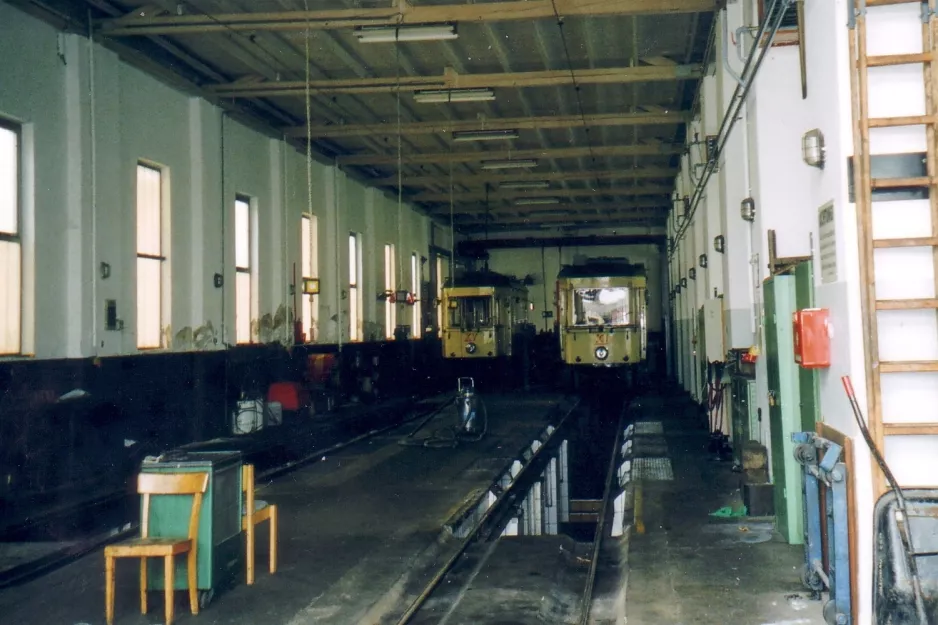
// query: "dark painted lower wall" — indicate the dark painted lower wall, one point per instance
point(52, 449)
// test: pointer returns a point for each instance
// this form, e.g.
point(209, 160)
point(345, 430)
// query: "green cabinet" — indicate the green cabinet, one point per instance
point(219, 541)
point(784, 404)
point(809, 391)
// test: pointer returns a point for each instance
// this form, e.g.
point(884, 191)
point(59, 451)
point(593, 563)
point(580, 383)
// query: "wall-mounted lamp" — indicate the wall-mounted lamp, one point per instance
point(812, 148)
point(692, 273)
point(310, 286)
point(683, 283)
point(719, 243)
point(747, 209)
point(702, 261)
point(105, 271)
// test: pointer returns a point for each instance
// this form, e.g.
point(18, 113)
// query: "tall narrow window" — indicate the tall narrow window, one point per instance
point(440, 278)
point(309, 239)
point(150, 257)
point(354, 293)
point(11, 253)
point(415, 289)
point(390, 308)
point(243, 279)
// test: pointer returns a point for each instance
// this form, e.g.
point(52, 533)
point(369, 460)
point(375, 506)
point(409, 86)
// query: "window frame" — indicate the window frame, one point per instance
point(355, 288)
point(161, 172)
point(245, 269)
point(787, 35)
point(416, 331)
point(310, 306)
point(16, 237)
point(390, 307)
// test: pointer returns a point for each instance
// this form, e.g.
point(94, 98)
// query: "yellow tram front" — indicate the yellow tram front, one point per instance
point(602, 319)
point(471, 327)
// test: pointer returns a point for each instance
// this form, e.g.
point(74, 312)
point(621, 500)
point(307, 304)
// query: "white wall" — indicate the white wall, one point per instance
point(788, 194)
point(84, 133)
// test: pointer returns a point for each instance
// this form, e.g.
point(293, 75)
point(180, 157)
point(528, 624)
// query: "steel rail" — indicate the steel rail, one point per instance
point(508, 495)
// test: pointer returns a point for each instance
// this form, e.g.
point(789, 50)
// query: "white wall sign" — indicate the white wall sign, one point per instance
point(827, 243)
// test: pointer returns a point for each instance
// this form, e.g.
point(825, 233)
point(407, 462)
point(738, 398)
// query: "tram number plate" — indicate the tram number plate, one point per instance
point(470, 337)
point(601, 339)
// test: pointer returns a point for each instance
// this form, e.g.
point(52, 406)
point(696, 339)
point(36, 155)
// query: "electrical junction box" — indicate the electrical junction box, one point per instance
point(714, 344)
point(812, 339)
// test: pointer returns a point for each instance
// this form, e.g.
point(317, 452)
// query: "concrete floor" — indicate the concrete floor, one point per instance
point(692, 569)
point(360, 533)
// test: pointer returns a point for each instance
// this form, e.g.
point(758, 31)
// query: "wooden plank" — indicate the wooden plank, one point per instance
point(550, 176)
point(908, 120)
point(335, 131)
point(907, 304)
point(333, 19)
point(908, 366)
point(886, 60)
point(905, 242)
point(452, 80)
point(894, 183)
point(831, 434)
point(911, 429)
point(476, 196)
point(541, 153)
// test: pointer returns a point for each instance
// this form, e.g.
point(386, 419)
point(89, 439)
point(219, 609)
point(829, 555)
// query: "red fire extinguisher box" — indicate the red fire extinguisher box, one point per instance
point(812, 339)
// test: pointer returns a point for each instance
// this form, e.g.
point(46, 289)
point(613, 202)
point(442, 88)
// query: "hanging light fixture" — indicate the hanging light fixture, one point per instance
point(524, 184)
point(416, 32)
point(485, 135)
point(523, 163)
point(535, 201)
point(429, 96)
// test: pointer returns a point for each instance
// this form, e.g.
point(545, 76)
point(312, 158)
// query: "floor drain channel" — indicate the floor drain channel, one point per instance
point(649, 427)
point(652, 469)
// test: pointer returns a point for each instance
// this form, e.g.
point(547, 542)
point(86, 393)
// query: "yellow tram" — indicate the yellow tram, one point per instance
point(483, 314)
point(601, 308)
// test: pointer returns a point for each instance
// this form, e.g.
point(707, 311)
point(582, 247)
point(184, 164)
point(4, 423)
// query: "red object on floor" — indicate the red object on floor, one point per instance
point(290, 395)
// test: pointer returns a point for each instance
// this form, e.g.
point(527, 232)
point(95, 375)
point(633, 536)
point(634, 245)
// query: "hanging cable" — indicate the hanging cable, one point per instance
point(452, 228)
point(400, 172)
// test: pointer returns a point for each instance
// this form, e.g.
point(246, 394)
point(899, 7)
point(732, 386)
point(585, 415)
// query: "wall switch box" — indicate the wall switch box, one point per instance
point(715, 349)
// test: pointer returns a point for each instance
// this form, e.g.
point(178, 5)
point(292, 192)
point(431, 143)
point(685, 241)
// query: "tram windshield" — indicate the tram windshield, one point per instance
point(598, 307)
point(470, 313)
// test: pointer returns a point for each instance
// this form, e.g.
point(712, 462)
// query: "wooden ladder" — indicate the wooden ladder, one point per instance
point(865, 184)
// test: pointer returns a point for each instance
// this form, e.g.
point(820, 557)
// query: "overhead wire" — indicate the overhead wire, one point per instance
point(576, 87)
point(768, 28)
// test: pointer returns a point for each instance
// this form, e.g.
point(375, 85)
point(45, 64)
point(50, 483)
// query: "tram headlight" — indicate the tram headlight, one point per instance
point(601, 353)
point(471, 348)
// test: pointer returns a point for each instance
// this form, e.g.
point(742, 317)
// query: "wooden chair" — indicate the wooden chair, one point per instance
point(162, 547)
point(256, 511)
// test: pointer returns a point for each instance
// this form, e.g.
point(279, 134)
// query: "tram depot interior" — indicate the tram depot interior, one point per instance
point(494, 311)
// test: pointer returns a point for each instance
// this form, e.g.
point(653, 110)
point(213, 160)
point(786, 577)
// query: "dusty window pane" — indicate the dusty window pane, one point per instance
point(390, 309)
point(148, 211)
point(242, 234)
point(415, 289)
point(10, 302)
point(595, 307)
point(243, 307)
point(9, 177)
point(148, 302)
point(352, 259)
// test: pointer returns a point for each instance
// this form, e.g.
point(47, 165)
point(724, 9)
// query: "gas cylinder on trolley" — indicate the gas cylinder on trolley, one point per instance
point(467, 407)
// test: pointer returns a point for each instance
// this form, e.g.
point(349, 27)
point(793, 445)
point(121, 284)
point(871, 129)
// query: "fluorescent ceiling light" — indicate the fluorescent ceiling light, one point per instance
point(533, 201)
point(454, 95)
point(522, 163)
point(485, 135)
point(417, 32)
point(524, 184)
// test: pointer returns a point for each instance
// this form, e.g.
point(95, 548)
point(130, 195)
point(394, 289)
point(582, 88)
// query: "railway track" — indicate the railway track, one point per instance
point(440, 601)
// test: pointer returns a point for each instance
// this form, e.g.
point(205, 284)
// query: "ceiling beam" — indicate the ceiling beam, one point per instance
point(138, 23)
point(557, 219)
point(646, 205)
point(507, 123)
point(653, 149)
point(476, 196)
point(550, 176)
point(451, 80)
point(467, 247)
